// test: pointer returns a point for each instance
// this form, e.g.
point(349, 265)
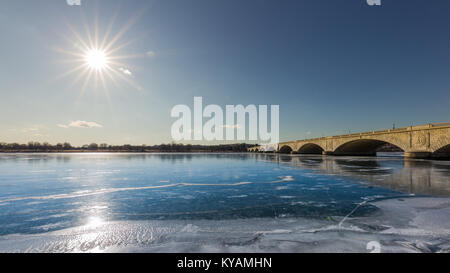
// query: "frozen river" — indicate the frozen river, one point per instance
point(222, 203)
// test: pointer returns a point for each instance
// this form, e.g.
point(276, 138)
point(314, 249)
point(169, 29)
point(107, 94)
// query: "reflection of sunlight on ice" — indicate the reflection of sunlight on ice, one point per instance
point(91, 237)
point(94, 222)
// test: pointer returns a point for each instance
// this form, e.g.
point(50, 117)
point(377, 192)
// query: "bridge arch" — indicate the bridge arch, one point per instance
point(286, 149)
point(443, 152)
point(310, 148)
point(363, 147)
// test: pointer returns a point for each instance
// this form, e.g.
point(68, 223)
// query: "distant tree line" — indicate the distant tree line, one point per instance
point(103, 147)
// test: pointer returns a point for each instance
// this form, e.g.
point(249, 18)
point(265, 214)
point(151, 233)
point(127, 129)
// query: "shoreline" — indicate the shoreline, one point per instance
point(384, 155)
point(118, 152)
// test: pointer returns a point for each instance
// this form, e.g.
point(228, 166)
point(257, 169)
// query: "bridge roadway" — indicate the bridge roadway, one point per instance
point(424, 141)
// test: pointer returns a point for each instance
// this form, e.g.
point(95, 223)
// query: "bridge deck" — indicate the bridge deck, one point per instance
point(415, 141)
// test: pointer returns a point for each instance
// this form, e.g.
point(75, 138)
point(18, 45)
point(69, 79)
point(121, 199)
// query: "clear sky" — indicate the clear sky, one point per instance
point(332, 66)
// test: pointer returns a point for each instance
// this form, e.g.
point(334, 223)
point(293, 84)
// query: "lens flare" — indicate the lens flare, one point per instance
point(96, 59)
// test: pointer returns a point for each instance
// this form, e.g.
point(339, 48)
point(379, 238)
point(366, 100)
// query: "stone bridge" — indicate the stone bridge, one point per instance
point(424, 141)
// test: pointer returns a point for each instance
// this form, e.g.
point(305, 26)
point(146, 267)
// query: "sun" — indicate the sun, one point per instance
point(96, 59)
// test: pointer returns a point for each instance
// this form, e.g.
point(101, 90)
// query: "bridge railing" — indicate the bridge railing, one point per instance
point(442, 124)
point(398, 129)
point(403, 129)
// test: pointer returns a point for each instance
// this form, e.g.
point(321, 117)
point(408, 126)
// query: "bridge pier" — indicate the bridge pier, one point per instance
point(417, 155)
point(327, 153)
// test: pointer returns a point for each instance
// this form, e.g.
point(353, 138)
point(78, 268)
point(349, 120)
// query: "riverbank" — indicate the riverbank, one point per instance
point(109, 151)
point(36, 147)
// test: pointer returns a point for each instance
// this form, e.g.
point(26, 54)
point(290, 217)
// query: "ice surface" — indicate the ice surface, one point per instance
point(401, 225)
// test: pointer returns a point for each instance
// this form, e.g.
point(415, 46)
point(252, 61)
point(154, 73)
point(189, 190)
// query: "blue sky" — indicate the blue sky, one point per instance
point(332, 66)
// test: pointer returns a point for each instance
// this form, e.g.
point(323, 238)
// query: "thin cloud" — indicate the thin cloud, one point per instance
point(32, 129)
point(80, 124)
point(150, 54)
point(73, 2)
point(41, 135)
point(125, 71)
